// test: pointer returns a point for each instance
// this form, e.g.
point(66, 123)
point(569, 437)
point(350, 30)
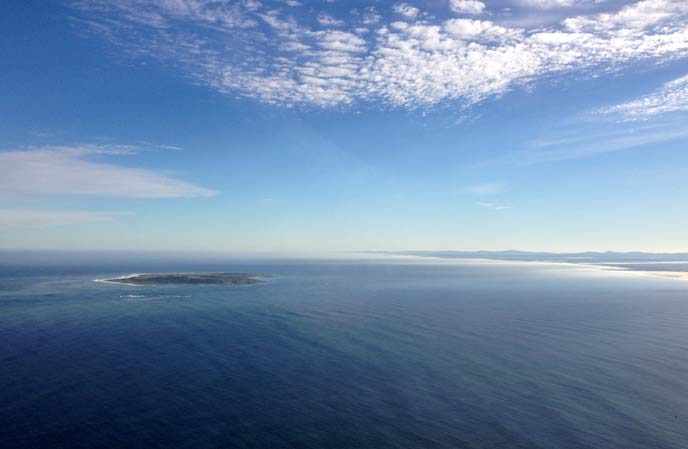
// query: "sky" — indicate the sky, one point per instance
point(294, 126)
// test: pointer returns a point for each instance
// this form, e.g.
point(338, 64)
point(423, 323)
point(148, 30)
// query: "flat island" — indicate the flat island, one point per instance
point(188, 279)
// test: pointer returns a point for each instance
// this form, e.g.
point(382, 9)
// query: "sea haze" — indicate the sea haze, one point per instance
point(355, 354)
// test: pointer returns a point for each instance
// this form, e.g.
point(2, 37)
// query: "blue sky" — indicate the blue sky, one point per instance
point(307, 126)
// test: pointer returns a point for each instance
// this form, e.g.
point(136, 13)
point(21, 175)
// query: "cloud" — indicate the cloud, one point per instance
point(474, 7)
point(490, 188)
point(71, 171)
point(547, 4)
point(479, 30)
point(157, 146)
point(584, 145)
point(492, 206)
point(371, 16)
point(252, 5)
point(328, 20)
point(641, 18)
point(671, 97)
point(406, 10)
point(276, 58)
point(49, 218)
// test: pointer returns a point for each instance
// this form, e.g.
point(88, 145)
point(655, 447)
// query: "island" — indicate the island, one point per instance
point(187, 279)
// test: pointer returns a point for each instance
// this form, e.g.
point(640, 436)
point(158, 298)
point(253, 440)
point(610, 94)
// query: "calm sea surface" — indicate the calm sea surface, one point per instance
point(344, 355)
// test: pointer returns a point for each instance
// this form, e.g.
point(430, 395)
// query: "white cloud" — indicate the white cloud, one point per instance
point(406, 10)
point(672, 97)
point(546, 4)
point(406, 64)
point(328, 20)
point(492, 206)
point(252, 5)
point(640, 17)
point(586, 144)
point(157, 146)
point(371, 16)
point(341, 41)
point(70, 171)
point(467, 6)
point(51, 218)
point(489, 188)
point(479, 30)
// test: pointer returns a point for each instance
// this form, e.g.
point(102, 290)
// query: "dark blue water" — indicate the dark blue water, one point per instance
point(344, 355)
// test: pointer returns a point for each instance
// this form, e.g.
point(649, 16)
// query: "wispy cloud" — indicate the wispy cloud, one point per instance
point(585, 144)
point(492, 206)
point(248, 50)
point(39, 219)
point(547, 4)
point(671, 97)
point(71, 171)
point(157, 146)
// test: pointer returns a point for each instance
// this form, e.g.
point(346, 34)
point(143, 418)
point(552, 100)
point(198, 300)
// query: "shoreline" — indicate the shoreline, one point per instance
point(112, 281)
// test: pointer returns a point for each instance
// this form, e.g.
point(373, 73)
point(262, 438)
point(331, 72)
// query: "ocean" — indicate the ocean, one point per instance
point(344, 354)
